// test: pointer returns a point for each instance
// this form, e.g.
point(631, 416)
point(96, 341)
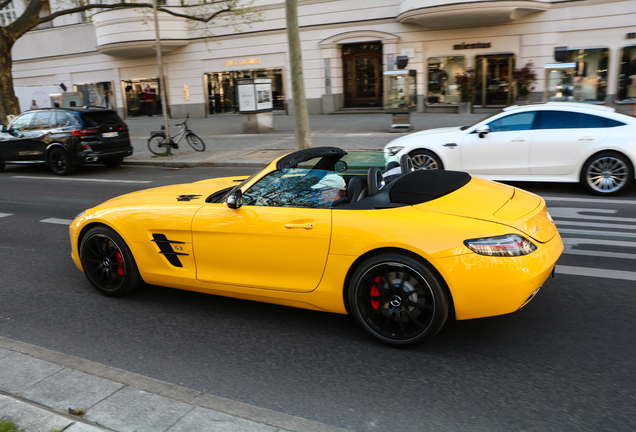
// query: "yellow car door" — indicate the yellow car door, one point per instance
point(275, 248)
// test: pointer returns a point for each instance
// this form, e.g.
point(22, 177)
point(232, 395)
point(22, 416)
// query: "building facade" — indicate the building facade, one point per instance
point(581, 50)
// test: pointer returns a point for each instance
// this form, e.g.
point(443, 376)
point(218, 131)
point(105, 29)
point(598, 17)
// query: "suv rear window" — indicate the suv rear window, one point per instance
point(103, 118)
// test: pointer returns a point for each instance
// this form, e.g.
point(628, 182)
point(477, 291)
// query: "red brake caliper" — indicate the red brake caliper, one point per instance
point(120, 260)
point(375, 293)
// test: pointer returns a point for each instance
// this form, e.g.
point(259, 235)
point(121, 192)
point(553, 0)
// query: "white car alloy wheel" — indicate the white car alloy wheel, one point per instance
point(606, 173)
point(424, 159)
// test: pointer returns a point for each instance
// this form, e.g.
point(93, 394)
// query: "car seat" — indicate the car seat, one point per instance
point(357, 189)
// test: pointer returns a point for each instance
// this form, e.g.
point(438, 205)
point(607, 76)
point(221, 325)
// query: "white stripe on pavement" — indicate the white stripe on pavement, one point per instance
point(5, 215)
point(83, 179)
point(57, 221)
point(560, 223)
point(596, 272)
point(597, 233)
point(590, 200)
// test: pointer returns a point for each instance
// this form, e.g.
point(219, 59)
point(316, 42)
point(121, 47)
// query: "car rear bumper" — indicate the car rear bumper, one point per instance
point(484, 286)
point(93, 156)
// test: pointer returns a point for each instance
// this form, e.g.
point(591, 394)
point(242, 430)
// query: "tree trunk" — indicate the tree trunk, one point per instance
point(8, 101)
point(303, 138)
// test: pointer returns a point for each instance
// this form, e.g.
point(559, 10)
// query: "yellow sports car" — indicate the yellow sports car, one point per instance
point(399, 249)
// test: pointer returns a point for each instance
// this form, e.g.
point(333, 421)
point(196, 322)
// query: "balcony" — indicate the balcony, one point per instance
point(468, 13)
point(131, 32)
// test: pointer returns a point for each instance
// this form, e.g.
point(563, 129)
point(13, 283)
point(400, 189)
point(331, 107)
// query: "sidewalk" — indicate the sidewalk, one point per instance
point(226, 145)
point(38, 387)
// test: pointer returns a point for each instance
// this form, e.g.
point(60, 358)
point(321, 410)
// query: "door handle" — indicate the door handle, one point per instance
point(301, 225)
point(518, 140)
point(450, 145)
point(586, 139)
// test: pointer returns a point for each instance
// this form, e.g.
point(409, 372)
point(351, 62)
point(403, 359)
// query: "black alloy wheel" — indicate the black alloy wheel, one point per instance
point(195, 142)
point(157, 145)
point(606, 173)
point(108, 263)
point(398, 300)
point(60, 162)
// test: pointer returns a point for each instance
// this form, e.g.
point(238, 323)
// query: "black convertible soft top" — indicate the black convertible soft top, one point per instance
point(426, 185)
point(416, 187)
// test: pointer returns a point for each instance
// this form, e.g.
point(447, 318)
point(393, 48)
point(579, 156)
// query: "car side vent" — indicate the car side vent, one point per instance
point(165, 248)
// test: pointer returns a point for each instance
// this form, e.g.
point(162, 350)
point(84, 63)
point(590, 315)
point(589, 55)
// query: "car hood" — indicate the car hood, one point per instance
point(174, 194)
point(441, 132)
point(490, 201)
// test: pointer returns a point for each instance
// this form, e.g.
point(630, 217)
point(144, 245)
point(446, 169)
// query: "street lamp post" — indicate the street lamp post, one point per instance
point(162, 87)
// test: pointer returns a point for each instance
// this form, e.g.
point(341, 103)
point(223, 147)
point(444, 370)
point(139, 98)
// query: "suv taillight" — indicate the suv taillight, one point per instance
point(124, 128)
point(85, 132)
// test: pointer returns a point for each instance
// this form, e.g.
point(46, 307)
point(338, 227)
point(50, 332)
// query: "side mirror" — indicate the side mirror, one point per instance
point(483, 130)
point(340, 166)
point(235, 199)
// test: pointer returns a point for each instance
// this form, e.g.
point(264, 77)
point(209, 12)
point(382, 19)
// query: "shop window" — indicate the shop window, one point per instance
point(627, 77)
point(98, 94)
point(222, 89)
point(441, 79)
point(584, 81)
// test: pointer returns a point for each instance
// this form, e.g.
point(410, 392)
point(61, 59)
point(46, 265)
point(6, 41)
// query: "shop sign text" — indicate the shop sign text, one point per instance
point(463, 46)
point(242, 62)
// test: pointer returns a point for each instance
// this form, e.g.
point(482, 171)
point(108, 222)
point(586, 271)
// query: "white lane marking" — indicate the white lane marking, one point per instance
point(560, 223)
point(598, 233)
point(590, 200)
point(596, 272)
point(575, 213)
point(57, 221)
point(83, 179)
point(5, 215)
point(571, 243)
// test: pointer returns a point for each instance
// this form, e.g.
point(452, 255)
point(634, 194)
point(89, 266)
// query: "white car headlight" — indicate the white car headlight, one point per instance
point(394, 149)
point(501, 246)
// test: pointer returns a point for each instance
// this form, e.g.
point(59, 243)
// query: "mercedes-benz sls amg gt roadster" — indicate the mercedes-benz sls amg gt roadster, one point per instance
point(399, 249)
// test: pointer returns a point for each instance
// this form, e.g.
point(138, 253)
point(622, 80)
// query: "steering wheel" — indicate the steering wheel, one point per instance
point(375, 180)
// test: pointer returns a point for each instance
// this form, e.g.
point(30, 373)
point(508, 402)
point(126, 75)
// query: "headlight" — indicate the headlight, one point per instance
point(501, 246)
point(394, 149)
point(81, 214)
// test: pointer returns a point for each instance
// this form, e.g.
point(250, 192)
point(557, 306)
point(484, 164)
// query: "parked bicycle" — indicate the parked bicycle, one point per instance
point(157, 142)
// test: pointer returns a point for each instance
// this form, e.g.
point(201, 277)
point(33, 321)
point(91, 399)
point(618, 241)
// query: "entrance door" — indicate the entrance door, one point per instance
point(362, 74)
point(494, 80)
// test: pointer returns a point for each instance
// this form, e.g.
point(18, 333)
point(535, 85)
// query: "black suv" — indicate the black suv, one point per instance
point(65, 138)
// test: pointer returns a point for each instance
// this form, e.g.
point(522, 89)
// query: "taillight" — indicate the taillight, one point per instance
point(124, 128)
point(85, 132)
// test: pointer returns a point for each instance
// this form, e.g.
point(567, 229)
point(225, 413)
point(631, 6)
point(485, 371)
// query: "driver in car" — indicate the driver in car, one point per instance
point(331, 191)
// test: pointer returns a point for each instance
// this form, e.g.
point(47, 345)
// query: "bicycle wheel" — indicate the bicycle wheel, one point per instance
point(157, 145)
point(195, 142)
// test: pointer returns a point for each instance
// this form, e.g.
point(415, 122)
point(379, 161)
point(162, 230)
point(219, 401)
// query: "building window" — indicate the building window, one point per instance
point(627, 77)
point(441, 79)
point(7, 15)
point(222, 89)
point(589, 78)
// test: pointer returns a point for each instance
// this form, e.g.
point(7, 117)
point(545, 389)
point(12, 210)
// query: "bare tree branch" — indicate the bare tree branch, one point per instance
point(5, 3)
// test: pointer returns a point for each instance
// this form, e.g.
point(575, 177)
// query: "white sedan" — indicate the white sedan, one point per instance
point(552, 142)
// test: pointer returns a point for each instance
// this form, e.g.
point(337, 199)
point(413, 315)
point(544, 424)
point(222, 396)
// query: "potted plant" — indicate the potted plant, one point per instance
point(524, 80)
point(465, 83)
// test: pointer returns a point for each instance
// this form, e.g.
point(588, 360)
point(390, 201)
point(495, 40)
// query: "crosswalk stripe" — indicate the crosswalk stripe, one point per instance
point(83, 179)
point(596, 272)
point(5, 215)
point(590, 200)
point(57, 221)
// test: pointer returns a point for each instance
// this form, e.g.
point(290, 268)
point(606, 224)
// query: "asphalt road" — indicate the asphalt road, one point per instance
point(565, 362)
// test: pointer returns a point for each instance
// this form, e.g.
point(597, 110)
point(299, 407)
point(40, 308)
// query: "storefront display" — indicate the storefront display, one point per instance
point(559, 79)
point(627, 77)
point(587, 82)
point(142, 97)
point(494, 79)
point(441, 79)
point(98, 94)
point(222, 89)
